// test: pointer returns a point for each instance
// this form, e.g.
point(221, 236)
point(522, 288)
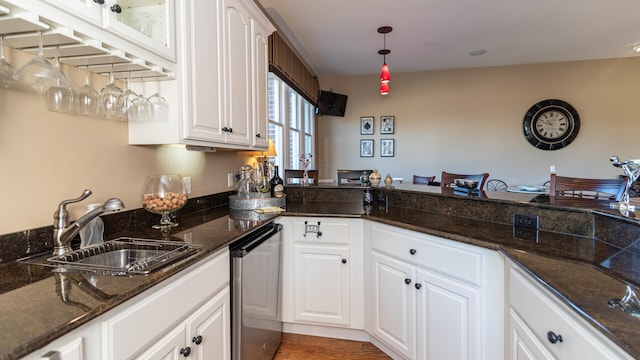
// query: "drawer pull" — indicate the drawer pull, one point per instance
point(553, 338)
point(412, 251)
point(407, 281)
point(116, 8)
point(51, 355)
point(197, 340)
point(344, 261)
point(185, 351)
point(418, 286)
point(312, 229)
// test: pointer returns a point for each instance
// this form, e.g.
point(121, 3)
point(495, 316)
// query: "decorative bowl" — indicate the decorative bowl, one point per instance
point(466, 183)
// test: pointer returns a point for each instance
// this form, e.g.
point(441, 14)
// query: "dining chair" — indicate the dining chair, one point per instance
point(350, 176)
point(423, 180)
point(294, 176)
point(611, 189)
point(496, 185)
point(446, 180)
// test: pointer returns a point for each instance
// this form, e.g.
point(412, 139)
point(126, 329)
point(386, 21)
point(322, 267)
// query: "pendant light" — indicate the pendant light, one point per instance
point(385, 75)
point(384, 88)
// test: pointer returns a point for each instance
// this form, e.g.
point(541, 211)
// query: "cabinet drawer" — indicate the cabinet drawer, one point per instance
point(332, 231)
point(148, 316)
point(448, 257)
point(542, 313)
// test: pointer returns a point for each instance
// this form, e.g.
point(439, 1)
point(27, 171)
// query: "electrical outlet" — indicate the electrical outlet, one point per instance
point(525, 233)
point(187, 184)
point(230, 180)
point(531, 222)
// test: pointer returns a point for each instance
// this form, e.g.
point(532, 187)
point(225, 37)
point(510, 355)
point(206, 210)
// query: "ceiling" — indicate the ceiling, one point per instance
point(340, 38)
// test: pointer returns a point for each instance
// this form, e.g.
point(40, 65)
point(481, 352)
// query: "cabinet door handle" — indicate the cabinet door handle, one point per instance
point(197, 340)
point(412, 251)
point(51, 355)
point(185, 351)
point(308, 228)
point(418, 286)
point(230, 130)
point(553, 338)
point(257, 135)
point(344, 261)
point(101, 2)
point(407, 281)
point(116, 8)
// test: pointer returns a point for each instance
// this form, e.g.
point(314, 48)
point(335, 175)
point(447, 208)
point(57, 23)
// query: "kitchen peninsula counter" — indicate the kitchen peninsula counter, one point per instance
point(572, 245)
point(584, 270)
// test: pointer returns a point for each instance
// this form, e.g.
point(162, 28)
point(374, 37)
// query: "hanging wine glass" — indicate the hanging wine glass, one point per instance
point(6, 70)
point(59, 96)
point(164, 194)
point(111, 99)
point(158, 106)
point(133, 104)
point(38, 74)
point(88, 97)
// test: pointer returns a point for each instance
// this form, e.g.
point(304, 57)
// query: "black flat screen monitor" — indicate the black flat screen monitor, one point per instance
point(330, 103)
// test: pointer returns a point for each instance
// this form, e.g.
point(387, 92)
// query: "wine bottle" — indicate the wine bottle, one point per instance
point(276, 184)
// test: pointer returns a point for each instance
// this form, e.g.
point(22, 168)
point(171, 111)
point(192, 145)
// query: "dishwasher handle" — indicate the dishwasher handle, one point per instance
point(254, 240)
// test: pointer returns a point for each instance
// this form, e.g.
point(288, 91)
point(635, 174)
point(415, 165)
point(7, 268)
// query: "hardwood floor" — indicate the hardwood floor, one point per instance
point(305, 347)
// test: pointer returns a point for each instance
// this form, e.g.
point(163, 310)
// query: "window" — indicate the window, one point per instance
point(291, 124)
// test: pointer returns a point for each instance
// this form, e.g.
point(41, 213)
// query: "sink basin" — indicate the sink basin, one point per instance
point(124, 256)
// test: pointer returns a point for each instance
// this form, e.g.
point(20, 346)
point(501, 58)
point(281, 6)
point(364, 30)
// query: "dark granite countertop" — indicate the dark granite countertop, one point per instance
point(569, 266)
point(569, 257)
point(29, 295)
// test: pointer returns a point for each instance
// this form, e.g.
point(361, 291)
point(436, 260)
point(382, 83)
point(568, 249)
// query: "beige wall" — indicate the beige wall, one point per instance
point(470, 121)
point(47, 157)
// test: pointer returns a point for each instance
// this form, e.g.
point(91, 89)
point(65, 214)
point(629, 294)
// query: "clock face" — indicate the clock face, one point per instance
point(551, 124)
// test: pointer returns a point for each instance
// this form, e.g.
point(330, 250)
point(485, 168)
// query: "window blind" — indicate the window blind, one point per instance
point(286, 65)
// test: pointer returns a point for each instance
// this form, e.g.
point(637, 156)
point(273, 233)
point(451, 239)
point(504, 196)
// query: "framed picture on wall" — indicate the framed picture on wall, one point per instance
point(386, 124)
point(387, 147)
point(366, 125)
point(366, 148)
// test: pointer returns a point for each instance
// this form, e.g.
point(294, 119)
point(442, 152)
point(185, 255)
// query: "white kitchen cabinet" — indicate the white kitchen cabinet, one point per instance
point(204, 335)
point(393, 303)
point(522, 343)
point(432, 298)
point(260, 71)
point(141, 29)
point(86, 10)
point(237, 51)
point(448, 316)
point(322, 271)
point(223, 62)
point(537, 320)
point(80, 344)
point(322, 280)
point(167, 318)
point(202, 83)
point(149, 24)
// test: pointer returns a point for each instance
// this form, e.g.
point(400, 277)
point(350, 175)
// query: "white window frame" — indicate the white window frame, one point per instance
point(306, 111)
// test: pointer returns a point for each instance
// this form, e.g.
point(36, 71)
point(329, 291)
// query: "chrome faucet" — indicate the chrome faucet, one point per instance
point(64, 232)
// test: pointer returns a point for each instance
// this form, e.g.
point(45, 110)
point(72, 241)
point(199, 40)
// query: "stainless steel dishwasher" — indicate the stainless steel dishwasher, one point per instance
point(256, 322)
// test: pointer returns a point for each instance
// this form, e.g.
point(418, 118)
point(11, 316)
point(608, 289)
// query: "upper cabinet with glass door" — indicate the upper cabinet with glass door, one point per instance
point(88, 10)
point(149, 24)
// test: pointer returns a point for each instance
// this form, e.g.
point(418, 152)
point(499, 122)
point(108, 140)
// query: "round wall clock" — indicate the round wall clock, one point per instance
point(551, 124)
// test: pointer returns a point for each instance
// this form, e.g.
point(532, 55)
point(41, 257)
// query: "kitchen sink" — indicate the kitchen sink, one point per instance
point(123, 256)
